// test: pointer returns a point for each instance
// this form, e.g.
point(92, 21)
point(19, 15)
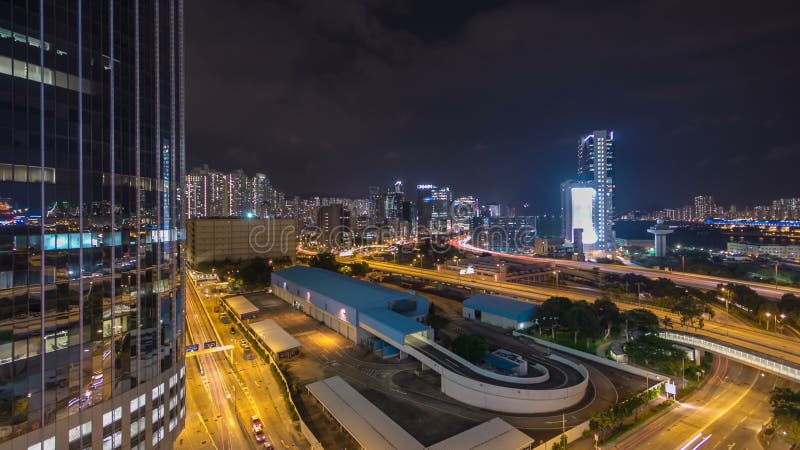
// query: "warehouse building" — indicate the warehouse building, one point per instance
point(358, 310)
point(499, 311)
point(209, 240)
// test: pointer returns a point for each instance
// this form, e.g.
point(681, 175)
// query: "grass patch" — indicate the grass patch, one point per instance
point(567, 339)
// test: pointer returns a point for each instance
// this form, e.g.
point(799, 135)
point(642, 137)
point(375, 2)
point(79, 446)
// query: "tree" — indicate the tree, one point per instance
point(607, 313)
point(641, 320)
point(786, 414)
point(651, 350)
point(435, 321)
point(325, 261)
point(765, 311)
point(471, 347)
point(790, 305)
point(582, 318)
point(746, 297)
point(689, 310)
point(553, 311)
point(255, 272)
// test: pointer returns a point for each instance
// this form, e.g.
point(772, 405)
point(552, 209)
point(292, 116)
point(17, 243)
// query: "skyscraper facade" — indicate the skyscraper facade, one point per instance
point(441, 220)
point(596, 171)
point(91, 175)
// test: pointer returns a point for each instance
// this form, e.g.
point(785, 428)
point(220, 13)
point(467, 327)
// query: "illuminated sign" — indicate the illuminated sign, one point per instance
point(670, 389)
point(583, 213)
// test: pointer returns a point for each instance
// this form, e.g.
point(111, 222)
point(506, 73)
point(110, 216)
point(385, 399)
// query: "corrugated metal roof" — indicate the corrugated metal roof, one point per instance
point(241, 306)
point(502, 306)
point(368, 425)
point(273, 336)
point(390, 323)
point(357, 294)
point(495, 434)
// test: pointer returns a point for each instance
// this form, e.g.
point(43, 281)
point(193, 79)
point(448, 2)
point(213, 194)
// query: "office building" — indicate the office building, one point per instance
point(218, 239)
point(441, 217)
point(596, 170)
point(424, 207)
point(92, 318)
point(334, 224)
point(464, 210)
point(587, 202)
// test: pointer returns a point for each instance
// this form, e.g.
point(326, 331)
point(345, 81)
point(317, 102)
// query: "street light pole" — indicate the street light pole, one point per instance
point(776, 276)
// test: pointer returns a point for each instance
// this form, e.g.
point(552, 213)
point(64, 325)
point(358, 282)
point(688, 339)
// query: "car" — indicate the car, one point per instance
point(243, 343)
point(233, 330)
point(267, 446)
point(260, 436)
point(255, 422)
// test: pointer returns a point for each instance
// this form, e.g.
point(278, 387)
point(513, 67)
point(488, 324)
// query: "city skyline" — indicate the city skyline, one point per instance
point(410, 92)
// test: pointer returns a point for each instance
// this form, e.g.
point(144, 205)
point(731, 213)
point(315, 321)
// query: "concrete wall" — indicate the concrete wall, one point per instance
point(493, 319)
point(333, 322)
point(238, 239)
point(523, 400)
point(507, 399)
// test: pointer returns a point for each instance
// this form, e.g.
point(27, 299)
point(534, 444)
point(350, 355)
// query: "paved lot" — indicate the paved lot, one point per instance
point(412, 399)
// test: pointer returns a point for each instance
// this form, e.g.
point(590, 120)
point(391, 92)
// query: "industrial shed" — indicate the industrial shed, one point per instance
point(499, 311)
point(278, 342)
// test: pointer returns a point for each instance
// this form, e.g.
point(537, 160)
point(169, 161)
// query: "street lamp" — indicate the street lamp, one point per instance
point(555, 272)
point(726, 293)
point(766, 325)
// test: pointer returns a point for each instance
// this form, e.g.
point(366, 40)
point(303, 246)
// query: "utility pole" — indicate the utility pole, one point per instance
point(683, 263)
point(776, 276)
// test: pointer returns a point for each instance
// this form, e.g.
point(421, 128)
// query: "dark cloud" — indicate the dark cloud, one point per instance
point(492, 96)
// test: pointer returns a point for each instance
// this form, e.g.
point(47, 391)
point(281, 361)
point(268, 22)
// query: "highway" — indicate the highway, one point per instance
point(767, 343)
point(681, 278)
point(215, 415)
point(725, 413)
point(232, 388)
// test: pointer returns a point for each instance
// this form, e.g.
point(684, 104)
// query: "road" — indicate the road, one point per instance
point(681, 278)
point(727, 412)
point(208, 385)
point(225, 398)
point(767, 343)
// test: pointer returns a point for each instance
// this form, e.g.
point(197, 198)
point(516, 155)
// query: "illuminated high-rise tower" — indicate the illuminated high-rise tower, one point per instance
point(596, 170)
point(91, 167)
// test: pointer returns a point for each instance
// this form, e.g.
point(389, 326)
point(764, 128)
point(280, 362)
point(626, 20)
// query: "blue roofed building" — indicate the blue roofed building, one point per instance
point(358, 310)
point(499, 311)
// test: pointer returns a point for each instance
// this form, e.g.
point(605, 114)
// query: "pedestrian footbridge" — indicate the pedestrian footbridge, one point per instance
point(745, 356)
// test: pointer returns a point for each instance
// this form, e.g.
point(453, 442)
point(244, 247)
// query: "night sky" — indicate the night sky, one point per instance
point(492, 96)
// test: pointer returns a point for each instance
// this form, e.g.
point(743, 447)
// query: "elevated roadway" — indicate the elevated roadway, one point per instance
point(681, 278)
point(763, 342)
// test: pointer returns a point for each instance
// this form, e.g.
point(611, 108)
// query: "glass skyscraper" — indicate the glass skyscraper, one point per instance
point(91, 166)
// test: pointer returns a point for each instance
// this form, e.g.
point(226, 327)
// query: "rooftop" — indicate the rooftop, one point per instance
point(390, 323)
point(241, 306)
point(361, 295)
point(273, 336)
point(501, 306)
point(493, 434)
point(368, 425)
